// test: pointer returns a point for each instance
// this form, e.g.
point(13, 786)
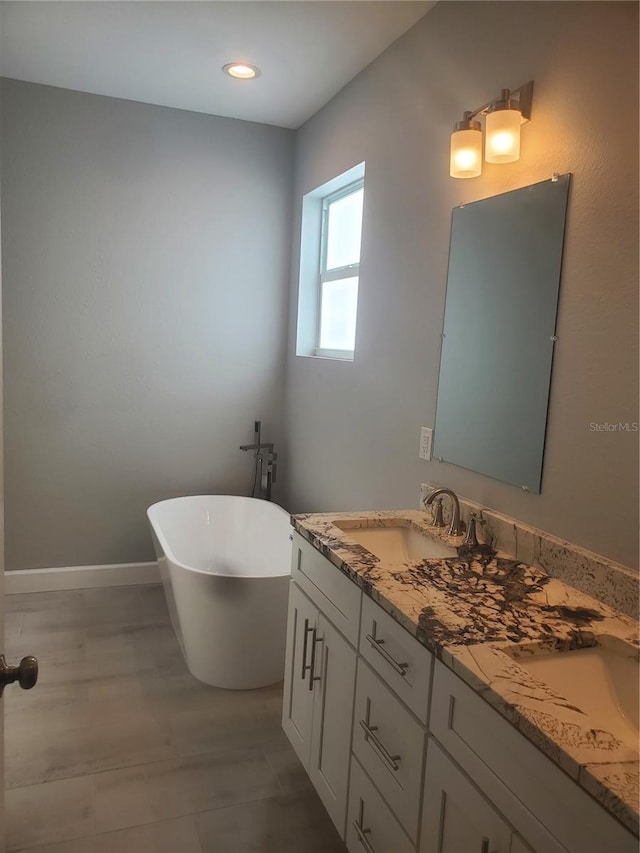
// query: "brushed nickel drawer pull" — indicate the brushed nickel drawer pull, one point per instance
point(305, 666)
point(378, 645)
point(370, 736)
point(312, 665)
point(362, 837)
point(361, 832)
point(452, 702)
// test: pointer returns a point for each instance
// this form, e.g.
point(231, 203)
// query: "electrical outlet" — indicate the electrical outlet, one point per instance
point(426, 436)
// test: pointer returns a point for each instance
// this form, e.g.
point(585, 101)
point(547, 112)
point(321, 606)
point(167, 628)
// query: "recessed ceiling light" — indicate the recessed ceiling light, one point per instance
point(241, 70)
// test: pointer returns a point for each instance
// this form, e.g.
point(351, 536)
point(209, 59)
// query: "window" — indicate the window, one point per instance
point(339, 271)
point(330, 267)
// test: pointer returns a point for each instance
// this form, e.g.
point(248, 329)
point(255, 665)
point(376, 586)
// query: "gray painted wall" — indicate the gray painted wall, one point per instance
point(2, 620)
point(353, 429)
point(146, 261)
point(146, 264)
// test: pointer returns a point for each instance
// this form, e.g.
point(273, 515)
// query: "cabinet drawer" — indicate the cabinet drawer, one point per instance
point(396, 656)
point(389, 743)
point(369, 816)
point(330, 590)
point(549, 810)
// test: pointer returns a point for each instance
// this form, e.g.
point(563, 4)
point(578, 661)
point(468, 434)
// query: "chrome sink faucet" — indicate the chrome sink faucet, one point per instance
point(456, 527)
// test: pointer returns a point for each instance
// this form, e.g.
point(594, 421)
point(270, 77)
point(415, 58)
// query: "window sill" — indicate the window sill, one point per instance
point(329, 355)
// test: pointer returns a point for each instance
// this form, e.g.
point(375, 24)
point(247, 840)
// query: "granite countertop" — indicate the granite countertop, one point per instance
point(478, 615)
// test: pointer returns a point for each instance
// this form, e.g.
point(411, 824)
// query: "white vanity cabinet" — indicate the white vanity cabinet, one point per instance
point(320, 672)
point(421, 763)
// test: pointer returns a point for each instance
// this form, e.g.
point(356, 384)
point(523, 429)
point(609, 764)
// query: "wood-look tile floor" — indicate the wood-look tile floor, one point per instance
point(118, 749)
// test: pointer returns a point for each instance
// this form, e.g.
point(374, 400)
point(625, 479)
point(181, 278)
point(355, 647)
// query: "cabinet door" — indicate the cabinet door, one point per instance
point(335, 666)
point(456, 818)
point(297, 708)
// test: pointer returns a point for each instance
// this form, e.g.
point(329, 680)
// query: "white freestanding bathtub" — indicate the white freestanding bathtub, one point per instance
point(225, 564)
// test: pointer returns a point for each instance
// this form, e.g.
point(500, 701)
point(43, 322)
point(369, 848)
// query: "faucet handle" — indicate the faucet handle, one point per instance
point(471, 540)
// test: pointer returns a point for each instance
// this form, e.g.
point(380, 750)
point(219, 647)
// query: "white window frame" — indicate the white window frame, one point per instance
point(337, 273)
point(313, 234)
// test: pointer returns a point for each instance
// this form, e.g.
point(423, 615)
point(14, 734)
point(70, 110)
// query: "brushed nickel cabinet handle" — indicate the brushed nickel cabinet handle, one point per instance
point(452, 703)
point(312, 665)
point(378, 645)
point(484, 847)
point(305, 666)
point(370, 736)
point(362, 837)
point(361, 832)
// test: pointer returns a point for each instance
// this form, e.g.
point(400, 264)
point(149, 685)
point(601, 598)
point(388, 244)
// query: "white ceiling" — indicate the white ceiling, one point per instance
point(171, 53)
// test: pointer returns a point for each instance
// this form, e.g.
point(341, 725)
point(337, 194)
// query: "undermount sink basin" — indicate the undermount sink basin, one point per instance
point(602, 681)
point(397, 543)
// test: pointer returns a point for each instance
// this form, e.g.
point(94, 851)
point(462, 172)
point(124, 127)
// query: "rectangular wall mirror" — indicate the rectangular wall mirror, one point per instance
point(505, 260)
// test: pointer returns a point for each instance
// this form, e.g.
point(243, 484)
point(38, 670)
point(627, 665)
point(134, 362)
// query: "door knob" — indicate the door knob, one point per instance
point(26, 673)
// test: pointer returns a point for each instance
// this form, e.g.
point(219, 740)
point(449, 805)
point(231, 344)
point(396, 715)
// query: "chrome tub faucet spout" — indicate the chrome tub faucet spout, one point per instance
point(258, 444)
point(265, 464)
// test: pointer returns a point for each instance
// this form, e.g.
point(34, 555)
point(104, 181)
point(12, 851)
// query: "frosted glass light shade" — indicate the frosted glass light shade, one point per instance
point(502, 136)
point(466, 154)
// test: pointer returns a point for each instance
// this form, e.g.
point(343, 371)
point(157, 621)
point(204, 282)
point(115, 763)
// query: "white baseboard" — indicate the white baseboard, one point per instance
point(80, 577)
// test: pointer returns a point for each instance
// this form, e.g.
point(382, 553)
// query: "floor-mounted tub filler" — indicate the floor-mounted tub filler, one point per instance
point(225, 564)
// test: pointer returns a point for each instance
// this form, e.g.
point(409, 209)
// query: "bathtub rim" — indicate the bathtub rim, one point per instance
point(169, 553)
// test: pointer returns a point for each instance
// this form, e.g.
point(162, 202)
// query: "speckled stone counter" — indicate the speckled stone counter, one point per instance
point(479, 615)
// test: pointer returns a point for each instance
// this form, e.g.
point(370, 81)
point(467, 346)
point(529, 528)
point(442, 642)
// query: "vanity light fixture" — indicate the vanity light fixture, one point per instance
point(241, 70)
point(503, 117)
point(466, 148)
